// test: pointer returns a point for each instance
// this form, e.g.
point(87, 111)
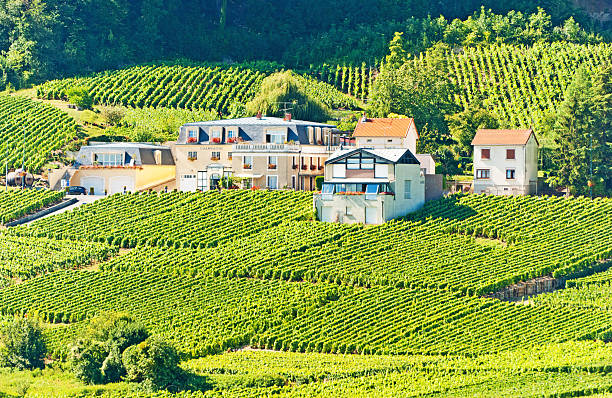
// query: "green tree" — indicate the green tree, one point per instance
point(22, 345)
point(153, 361)
point(80, 96)
point(397, 53)
point(463, 126)
point(582, 133)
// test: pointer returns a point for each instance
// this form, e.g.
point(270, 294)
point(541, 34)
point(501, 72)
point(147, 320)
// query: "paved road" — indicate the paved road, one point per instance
point(82, 199)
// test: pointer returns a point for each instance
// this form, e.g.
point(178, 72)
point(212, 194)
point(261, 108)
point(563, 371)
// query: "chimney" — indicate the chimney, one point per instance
point(364, 118)
point(258, 115)
point(287, 117)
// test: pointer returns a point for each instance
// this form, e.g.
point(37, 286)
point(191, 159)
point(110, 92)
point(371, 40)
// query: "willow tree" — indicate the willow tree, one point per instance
point(286, 91)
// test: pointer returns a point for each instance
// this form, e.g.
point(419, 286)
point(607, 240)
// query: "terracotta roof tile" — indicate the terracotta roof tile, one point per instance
point(502, 137)
point(383, 127)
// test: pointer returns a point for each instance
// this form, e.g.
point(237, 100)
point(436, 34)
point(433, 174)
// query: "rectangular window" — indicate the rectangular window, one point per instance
point(407, 189)
point(293, 182)
point(485, 153)
point(272, 162)
point(369, 140)
point(272, 182)
point(215, 156)
point(232, 132)
point(349, 211)
point(202, 180)
point(367, 164)
point(109, 159)
point(229, 156)
point(216, 132)
point(247, 162)
point(482, 174)
point(352, 164)
point(327, 192)
point(509, 174)
point(192, 155)
point(389, 140)
point(371, 191)
point(247, 183)
point(510, 154)
point(193, 133)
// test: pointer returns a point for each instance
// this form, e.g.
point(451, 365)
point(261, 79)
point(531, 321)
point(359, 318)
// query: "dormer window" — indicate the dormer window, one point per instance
point(276, 136)
point(109, 159)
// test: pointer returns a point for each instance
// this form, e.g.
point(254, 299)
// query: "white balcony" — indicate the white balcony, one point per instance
point(237, 148)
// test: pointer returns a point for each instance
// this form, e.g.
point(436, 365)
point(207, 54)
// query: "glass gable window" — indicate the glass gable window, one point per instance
point(109, 159)
point(371, 191)
point(352, 164)
point(367, 164)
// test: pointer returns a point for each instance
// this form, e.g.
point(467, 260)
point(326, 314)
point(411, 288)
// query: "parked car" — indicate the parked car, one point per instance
point(76, 190)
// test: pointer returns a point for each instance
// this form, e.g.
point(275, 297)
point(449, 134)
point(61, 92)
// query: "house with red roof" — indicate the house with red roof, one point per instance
point(386, 133)
point(505, 162)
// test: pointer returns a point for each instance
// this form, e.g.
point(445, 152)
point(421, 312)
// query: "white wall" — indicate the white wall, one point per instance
point(524, 164)
point(409, 141)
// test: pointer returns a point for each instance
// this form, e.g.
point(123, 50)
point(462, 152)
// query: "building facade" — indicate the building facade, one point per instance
point(386, 133)
point(370, 186)
point(257, 152)
point(505, 162)
point(106, 169)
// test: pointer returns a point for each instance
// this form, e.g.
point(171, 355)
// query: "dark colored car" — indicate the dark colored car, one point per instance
point(76, 190)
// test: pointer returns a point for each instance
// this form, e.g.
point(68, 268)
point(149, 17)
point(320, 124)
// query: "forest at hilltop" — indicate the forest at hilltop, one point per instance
point(45, 39)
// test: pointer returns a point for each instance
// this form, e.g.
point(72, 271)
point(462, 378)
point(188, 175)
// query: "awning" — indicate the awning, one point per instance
point(248, 175)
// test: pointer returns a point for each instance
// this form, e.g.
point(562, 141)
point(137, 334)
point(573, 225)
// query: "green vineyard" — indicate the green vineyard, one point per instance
point(30, 131)
point(496, 241)
point(16, 203)
point(211, 87)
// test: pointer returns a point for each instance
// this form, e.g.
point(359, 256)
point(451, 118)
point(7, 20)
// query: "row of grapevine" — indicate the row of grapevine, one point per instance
point(354, 80)
point(16, 203)
point(30, 131)
point(204, 315)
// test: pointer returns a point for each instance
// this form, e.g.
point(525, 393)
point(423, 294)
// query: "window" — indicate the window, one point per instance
point(247, 162)
point(109, 159)
point(247, 183)
point(232, 132)
point(352, 163)
point(272, 182)
point(202, 180)
point(510, 154)
point(510, 174)
point(381, 171)
point(371, 191)
point(485, 153)
point(229, 156)
point(293, 182)
point(367, 164)
point(369, 140)
point(483, 174)
point(349, 211)
point(272, 162)
point(193, 133)
point(215, 155)
point(327, 192)
point(276, 136)
point(216, 132)
point(407, 189)
point(389, 140)
point(192, 155)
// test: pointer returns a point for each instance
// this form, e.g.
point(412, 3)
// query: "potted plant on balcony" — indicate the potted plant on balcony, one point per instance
point(271, 166)
point(295, 166)
point(231, 140)
point(319, 142)
point(192, 140)
point(214, 158)
point(216, 140)
point(304, 167)
point(313, 167)
point(246, 166)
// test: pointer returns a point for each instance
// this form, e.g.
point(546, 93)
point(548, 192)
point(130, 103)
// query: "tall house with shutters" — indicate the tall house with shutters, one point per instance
point(505, 162)
point(260, 152)
point(370, 186)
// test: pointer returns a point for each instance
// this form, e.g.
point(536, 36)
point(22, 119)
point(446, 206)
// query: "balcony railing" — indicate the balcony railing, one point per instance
point(265, 148)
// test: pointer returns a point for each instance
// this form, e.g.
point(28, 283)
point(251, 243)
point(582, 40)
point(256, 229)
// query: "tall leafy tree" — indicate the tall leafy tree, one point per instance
point(582, 134)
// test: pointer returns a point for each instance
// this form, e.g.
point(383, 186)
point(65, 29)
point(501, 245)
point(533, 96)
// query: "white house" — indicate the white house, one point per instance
point(370, 186)
point(505, 162)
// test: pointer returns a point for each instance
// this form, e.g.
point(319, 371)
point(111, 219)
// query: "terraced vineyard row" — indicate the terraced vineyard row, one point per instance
point(495, 241)
point(211, 87)
point(204, 315)
point(176, 219)
point(27, 257)
point(16, 203)
point(520, 85)
point(30, 131)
